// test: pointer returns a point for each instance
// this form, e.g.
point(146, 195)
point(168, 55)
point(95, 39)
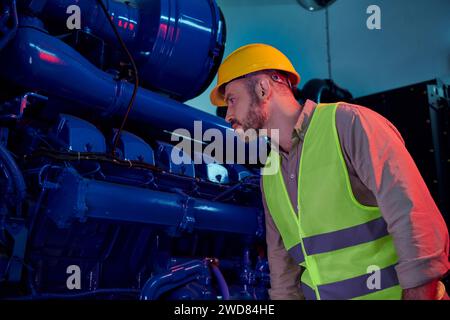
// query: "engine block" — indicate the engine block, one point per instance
point(90, 210)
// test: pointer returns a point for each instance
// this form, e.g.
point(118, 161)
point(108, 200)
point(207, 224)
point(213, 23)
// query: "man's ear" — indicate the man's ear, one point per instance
point(263, 89)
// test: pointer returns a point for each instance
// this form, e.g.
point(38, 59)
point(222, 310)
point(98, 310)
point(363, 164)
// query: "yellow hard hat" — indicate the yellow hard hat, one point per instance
point(247, 59)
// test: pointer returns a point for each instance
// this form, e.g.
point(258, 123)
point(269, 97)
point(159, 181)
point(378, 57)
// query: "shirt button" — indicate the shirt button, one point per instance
point(292, 176)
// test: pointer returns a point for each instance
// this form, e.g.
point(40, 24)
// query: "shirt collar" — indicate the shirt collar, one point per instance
point(303, 121)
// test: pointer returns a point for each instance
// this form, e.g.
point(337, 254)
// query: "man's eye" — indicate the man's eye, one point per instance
point(231, 100)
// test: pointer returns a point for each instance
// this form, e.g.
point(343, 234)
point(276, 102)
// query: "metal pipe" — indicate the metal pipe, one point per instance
point(177, 44)
point(152, 115)
point(55, 14)
point(176, 277)
point(80, 198)
point(39, 61)
point(118, 202)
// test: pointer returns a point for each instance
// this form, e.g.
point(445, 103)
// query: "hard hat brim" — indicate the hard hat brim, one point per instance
point(217, 99)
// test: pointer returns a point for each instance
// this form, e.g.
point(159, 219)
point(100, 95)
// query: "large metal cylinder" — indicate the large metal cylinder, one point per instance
point(38, 61)
point(79, 198)
point(177, 44)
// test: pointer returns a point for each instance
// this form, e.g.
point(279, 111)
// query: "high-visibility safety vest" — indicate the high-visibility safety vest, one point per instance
point(343, 245)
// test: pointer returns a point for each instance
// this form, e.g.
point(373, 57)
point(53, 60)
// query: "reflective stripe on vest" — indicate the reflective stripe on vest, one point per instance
point(354, 287)
point(340, 239)
point(337, 239)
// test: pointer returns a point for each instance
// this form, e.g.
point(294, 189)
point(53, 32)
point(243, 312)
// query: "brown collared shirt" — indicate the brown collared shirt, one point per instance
point(382, 173)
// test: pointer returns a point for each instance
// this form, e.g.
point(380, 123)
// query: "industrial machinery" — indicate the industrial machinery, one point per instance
point(91, 203)
point(425, 134)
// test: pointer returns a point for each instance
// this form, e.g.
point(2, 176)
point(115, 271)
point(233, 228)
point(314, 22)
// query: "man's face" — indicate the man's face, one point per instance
point(244, 108)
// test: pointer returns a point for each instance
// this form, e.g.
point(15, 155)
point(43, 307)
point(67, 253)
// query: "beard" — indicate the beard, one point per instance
point(253, 123)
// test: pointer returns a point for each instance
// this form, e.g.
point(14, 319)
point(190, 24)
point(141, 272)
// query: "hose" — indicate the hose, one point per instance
point(177, 277)
point(223, 286)
point(135, 74)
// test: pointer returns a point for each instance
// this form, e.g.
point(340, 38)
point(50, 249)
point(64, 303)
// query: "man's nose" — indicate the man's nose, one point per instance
point(229, 116)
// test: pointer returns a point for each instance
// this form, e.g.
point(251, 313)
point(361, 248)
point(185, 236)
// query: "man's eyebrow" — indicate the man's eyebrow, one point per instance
point(228, 95)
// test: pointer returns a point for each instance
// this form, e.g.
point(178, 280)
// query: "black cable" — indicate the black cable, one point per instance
point(102, 157)
point(135, 71)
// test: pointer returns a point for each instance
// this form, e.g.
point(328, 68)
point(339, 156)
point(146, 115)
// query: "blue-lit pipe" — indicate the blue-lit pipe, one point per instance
point(80, 199)
point(35, 60)
point(177, 44)
point(94, 20)
point(125, 203)
point(176, 277)
point(38, 61)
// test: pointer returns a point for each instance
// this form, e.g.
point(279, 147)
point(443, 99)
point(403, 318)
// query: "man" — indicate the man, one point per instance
point(348, 210)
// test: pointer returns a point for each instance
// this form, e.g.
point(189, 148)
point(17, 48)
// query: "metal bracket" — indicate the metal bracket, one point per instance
point(67, 203)
point(187, 221)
